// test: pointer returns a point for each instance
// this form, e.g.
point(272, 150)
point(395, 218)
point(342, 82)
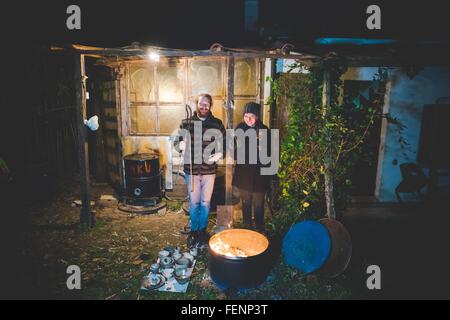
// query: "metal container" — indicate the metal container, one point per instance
point(323, 247)
point(341, 249)
point(306, 246)
point(239, 258)
point(143, 176)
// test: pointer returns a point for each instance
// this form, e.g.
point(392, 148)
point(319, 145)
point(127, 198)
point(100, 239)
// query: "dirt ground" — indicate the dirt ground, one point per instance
point(39, 241)
point(115, 254)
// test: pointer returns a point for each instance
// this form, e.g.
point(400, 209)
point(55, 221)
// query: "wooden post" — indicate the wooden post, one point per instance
point(225, 213)
point(230, 101)
point(266, 71)
point(100, 154)
point(155, 78)
point(326, 104)
point(86, 217)
point(122, 111)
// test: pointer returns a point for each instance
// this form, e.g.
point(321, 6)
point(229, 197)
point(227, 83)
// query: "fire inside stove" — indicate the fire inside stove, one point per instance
point(238, 243)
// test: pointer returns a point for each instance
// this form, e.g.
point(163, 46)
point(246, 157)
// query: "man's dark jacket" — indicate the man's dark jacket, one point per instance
point(210, 122)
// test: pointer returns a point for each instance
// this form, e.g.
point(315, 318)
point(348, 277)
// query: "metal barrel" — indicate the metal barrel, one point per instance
point(142, 175)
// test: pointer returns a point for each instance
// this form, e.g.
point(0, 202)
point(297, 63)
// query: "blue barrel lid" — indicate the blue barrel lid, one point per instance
point(306, 246)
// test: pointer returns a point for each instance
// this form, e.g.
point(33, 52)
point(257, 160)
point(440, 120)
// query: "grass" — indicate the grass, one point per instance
point(109, 256)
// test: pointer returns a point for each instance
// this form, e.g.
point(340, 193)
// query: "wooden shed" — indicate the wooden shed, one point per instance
point(140, 95)
point(146, 101)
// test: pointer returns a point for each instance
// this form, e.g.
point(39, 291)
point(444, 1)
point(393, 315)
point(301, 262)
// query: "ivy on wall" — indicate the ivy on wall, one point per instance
point(312, 135)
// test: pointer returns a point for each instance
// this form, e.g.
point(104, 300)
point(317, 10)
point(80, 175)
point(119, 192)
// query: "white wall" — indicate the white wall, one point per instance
point(405, 101)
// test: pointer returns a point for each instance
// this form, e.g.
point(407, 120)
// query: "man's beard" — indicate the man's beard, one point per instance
point(202, 113)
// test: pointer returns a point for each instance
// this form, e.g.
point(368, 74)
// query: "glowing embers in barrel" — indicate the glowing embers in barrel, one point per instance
point(239, 258)
point(238, 243)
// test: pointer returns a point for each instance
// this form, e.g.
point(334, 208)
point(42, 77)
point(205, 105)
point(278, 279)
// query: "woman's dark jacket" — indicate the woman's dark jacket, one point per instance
point(248, 176)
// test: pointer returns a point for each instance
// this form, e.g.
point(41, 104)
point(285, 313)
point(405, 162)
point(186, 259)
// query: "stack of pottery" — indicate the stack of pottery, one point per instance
point(172, 263)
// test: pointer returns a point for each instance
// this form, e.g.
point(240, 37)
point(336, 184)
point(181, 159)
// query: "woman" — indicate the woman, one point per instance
point(247, 175)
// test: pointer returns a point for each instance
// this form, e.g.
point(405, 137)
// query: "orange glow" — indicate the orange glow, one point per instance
point(238, 243)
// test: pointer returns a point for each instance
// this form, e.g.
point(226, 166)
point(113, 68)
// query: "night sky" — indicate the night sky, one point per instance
point(196, 24)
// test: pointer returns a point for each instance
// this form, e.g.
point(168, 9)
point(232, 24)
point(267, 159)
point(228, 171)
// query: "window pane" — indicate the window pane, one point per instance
point(142, 84)
point(170, 118)
point(171, 80)
point(143, 119)
point(219, 111)
point(245, 77)
point(207, 77)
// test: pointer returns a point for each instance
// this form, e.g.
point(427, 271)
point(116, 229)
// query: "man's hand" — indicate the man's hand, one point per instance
point(215, 157)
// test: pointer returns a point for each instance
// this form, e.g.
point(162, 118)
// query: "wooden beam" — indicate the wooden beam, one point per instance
point(230, 91)
point(100, 159)
point(435, 56)
point(156, 81)
point(122, 109)
point(326, 104)
point(383, 135)
point(267, 90)
point(141, 52)
point(86, 217)
point(227, 212)
point(230, 102)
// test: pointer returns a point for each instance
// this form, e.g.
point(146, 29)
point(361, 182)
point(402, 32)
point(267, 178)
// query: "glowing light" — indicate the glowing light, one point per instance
point(238, 243)
point(152, 55)
point(225, 249)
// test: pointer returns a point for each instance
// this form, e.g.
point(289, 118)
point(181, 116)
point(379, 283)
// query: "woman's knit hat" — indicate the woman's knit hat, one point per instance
point(253, 107)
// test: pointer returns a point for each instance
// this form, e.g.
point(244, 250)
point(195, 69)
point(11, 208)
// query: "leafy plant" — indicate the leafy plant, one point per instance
point(317, 138)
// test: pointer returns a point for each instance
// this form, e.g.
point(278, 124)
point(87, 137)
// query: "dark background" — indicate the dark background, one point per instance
point(199, 23)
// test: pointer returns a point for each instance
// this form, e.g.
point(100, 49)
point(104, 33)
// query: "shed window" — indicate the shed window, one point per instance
point(142, 84)
point(245, 73)
point(158, 92)
point(207, 77)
